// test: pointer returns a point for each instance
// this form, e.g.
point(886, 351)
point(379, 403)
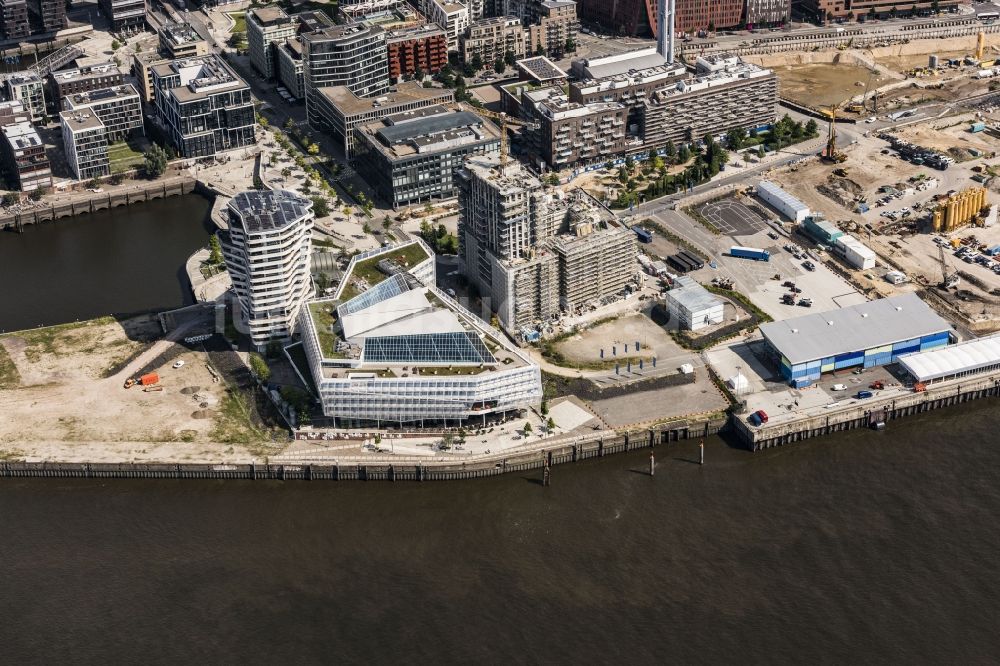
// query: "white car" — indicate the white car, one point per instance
point(838, 387)
point(178, 364)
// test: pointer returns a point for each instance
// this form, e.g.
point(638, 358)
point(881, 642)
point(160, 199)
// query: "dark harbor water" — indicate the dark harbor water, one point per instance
point(116, 261)
point(860, 547)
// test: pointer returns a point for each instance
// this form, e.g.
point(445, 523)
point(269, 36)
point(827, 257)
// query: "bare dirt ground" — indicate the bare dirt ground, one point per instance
point(825, 84)
point(653, 341)
point(64, 408)
point(947, 138)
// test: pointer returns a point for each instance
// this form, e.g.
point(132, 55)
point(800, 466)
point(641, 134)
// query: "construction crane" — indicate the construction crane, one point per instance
point(830, 153)
point(980, 46)
point(504, 120)
point(948, 279)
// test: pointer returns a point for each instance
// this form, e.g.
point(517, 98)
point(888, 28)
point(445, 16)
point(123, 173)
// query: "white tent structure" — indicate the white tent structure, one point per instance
point(966, 358)
point(738, 382)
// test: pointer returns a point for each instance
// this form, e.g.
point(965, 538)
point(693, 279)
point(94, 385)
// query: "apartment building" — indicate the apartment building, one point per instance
point(767, 12)
point(411, 157)
point(552, 24)
point(403, 352)
point(352, 55)
point(267, 249)
point(740, 95)
point(179, 40)
point(119, 109)
point(631, 18)
point(453, 17)
point(203, 106)
point(46, 15)
point(534, 252)
point(628, 79)
point(822, 10)
point(85, 144)
point(14, 20)
point(124, 15)
point(339, 110)
point(24, 157)
point(421, 48)
point(570, 134)
point(13, 112)
point(291, 72)
point(492, 38)
point(29, 89)
point(694, 15)
point(266, 28)
point(66, 82)
point(142, 69)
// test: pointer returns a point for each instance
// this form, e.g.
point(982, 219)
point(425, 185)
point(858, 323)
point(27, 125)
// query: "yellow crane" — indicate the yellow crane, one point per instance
point(980, 46)
point(830, 153)
point(505, 121)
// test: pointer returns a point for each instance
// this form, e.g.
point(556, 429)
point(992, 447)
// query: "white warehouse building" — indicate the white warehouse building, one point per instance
point(401, 352)
point(267, 249)
point(782, 201)
point(693, 306)
point(855, 252)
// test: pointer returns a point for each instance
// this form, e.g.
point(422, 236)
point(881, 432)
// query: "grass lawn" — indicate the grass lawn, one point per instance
point(323, 320)
point(126, 155)
point(9, 377)
point(241, 21)
point(408, 257)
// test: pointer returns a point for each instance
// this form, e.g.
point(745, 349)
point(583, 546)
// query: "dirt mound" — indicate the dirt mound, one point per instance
point(203, 414)
point(188, 390)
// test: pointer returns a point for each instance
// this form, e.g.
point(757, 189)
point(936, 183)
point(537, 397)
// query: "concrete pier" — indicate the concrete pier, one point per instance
point(858, 414)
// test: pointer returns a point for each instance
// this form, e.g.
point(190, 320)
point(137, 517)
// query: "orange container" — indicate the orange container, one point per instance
point(148, 379)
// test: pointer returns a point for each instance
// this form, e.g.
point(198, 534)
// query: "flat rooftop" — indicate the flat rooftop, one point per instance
point(270, 15)
point(21, 135)
point(78, 121)
point(692, 295)
point(91, 71)
point(313, 21)
point(869, 325)
point(405, 134)
point(180, 33)
point(269, 210)
point(200, 76)
point(408, 92)
point(540, 68)
point(124, 91)
point(622, 63)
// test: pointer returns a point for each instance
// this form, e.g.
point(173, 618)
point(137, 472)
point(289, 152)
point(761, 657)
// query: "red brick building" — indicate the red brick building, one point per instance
point(695, 15)
point(638, 17)
point(424, 47)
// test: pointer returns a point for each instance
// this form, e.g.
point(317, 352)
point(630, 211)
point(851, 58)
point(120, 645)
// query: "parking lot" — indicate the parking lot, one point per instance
point(733, 218)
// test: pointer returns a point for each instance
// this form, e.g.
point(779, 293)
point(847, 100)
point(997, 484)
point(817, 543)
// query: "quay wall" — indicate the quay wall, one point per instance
point(96, 201)
point(380, 468)
point(860, 413)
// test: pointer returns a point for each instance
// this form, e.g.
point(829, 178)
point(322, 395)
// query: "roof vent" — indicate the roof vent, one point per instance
point(829, 323)
point(899, 308)
point(795, 330)
point(864, 314)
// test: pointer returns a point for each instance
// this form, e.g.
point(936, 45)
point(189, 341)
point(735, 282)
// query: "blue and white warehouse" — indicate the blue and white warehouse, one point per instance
point(865, 335)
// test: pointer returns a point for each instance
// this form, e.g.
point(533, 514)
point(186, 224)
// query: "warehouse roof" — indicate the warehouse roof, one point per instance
point(692, 295)
point(853, 329)
point(783, 196)
point(954, 360)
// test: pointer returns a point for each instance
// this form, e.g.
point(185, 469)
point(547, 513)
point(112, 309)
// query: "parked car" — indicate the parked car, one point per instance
point(838, 387)
point(809, 266)
point(861, 395)
point(806, 302)
point(178, 364)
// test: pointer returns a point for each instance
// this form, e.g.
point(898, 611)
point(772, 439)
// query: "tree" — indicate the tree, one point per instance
point(935, 7)
point(509, 58)
point(115, 45)
point(477, 62)
point(811, 128)
point(38, 193)
point(386, 222)
point(289, 124)
point(313, 149)
point(258, 366)
point(684, 154)
point(527, 428)
point(761, 152)
point(366, 228)
point(418, 74)
point(540, 51)
point(155, 161)
point(570, 45)
point(214, 250)
point(320, 207)
point(93, 183)
point(116, 178)
point(262, 121)
point(10, 199)
point(553, 179)
point(711, 26)
point(550, 425)
point(499, 66)
point(322, 282)
point(286, 172)
point(428, 84)
point(670, 149)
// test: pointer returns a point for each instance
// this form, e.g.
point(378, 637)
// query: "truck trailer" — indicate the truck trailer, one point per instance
point(749, 253)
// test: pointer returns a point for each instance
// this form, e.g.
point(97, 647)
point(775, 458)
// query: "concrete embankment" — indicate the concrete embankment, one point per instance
point(370, 468)
point(862, 413)
point(96, 201)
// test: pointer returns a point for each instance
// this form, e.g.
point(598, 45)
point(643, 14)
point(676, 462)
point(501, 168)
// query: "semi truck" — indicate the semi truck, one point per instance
point(644, 236)
point(749, 253)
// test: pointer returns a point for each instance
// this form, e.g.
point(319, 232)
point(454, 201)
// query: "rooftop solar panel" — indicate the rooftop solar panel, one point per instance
point(463, 347)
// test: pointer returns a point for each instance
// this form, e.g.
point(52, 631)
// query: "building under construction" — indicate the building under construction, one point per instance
point(959, 209)
point(534, 251)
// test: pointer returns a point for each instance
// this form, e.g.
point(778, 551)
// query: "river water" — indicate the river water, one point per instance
point(860, 547)
point(117, 261)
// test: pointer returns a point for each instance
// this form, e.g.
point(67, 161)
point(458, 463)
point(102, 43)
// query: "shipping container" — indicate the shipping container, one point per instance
point(977, 127)
point(150, 378)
